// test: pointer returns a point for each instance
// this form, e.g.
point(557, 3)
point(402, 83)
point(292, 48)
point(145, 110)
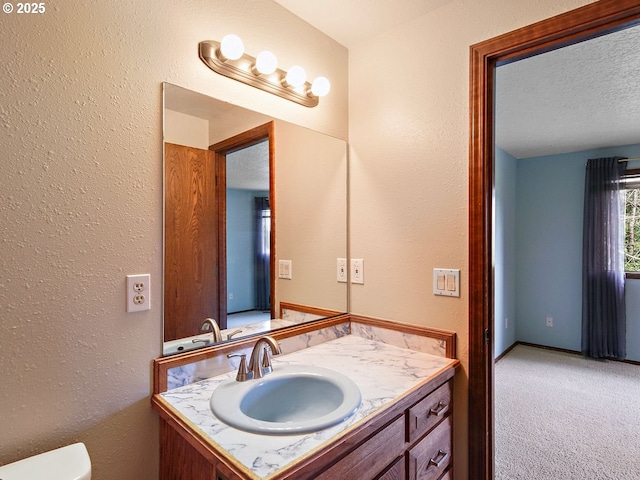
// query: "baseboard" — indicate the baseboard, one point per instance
point(556, 349)
point(503, 354)
point(546, 347)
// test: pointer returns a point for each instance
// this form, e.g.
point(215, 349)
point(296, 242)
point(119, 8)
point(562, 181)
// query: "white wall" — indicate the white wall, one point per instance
point(311, 216)
point(81, 204)
point(409, 133)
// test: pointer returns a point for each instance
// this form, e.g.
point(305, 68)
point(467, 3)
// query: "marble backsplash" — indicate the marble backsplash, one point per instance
point(214, 366)
point(418, 343)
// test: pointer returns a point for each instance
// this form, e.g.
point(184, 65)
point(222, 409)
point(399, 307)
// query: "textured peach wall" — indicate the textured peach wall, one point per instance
point(409, 135)
point(81, 204)
point(80, 198)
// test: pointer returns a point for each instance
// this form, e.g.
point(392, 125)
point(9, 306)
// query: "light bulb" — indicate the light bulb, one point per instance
point(231, 47)
point(266, 63)
point(296, 76)
point(320, 86)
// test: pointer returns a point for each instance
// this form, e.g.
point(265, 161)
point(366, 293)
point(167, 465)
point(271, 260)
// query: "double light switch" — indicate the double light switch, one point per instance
point(446, 282)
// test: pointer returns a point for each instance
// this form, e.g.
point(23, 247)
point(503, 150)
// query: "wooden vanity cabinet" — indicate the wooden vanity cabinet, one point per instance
point(412, 440)
point(416, 445)
point(429, 457)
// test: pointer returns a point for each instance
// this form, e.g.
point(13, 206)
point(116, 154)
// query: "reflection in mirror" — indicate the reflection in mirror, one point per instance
point(254, 221)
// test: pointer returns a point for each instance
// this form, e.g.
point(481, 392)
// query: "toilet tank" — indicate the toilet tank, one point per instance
point(67, 463)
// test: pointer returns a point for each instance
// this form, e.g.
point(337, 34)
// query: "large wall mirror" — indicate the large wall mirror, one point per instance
point(255, 218)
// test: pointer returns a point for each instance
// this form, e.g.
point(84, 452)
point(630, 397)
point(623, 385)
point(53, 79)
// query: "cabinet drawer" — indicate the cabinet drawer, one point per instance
point(372, 457)
point(429, 458)
point(428, 412)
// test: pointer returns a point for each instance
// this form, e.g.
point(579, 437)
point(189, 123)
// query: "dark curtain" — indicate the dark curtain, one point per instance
point(603, 277)
point(262, 253)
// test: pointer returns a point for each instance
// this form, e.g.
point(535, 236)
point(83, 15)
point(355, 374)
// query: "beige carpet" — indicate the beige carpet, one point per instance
point(560, 416)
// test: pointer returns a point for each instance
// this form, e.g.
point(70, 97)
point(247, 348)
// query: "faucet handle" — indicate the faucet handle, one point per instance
point(243, 373)
point(266, 358)
point(266, 362)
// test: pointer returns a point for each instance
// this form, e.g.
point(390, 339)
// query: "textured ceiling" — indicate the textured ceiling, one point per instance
point(248, 169)
point(579, 97)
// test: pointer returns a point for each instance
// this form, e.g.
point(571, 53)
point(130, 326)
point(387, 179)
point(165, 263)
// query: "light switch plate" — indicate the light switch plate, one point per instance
point(285, 269)
point(446, 282)
point(357, 271)
point(342, 270)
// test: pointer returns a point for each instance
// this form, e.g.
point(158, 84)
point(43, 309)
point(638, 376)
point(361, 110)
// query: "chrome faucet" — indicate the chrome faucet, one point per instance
point(210, 325)
point(259, 361)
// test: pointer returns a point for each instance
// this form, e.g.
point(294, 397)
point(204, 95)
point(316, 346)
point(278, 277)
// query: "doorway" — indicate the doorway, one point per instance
point(248, 236)
point(225, 152)
point(577, 25)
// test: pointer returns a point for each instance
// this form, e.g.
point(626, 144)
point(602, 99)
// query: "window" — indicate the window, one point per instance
point(632, 221)
point(265, 233)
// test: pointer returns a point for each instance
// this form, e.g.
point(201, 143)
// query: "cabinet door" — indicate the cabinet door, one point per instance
point(429, 458)
point(372, 457)
point(179, 460)
point(397, 471)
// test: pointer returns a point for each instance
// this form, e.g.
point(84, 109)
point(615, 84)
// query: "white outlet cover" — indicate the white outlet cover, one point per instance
point(138, 292)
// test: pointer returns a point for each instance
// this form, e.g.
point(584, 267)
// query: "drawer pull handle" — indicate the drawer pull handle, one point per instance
point(439, 460)
point(439, 409)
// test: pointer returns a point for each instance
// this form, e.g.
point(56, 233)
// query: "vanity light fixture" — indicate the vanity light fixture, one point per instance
point(228, 58)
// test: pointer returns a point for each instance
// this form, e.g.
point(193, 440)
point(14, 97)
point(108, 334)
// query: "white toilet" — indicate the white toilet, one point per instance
point(67, 463)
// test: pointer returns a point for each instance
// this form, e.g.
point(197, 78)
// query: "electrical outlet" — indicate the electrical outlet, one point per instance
point(549, 321)
point(342, 270)
point(138, 292)
point(357, 271)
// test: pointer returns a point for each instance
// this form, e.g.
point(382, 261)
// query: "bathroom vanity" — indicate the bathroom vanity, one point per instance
point(402, 429)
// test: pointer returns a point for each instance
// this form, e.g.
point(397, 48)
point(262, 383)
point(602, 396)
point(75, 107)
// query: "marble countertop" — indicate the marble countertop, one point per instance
point(382, 372)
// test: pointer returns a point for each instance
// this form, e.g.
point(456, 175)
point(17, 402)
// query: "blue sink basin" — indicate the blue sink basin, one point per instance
point(290, 400)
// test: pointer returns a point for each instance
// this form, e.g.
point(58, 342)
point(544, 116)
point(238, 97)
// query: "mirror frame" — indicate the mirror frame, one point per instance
point(599, 18)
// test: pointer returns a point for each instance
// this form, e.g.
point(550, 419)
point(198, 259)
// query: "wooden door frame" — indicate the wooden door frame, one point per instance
point(221, 150)
point(593, 20)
